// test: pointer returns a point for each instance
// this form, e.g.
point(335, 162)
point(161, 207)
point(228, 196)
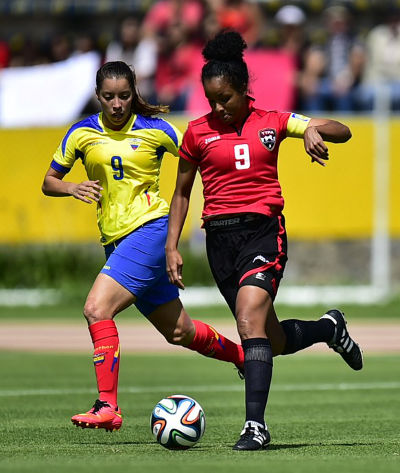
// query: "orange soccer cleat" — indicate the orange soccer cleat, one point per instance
point(101, 416)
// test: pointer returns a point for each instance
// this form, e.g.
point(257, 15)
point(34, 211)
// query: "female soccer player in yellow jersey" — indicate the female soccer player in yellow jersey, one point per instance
point(121, 149)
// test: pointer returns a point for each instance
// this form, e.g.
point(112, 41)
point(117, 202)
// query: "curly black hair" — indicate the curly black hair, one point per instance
point(224, 58)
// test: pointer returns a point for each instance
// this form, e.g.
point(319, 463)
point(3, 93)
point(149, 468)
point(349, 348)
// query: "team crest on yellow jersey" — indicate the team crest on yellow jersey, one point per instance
point(268, 138)
point(135, 143)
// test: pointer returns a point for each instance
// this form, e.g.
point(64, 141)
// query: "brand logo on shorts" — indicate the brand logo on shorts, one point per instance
point(225, 222)
point(261, 258)
point(260, 276)
point(268, 138)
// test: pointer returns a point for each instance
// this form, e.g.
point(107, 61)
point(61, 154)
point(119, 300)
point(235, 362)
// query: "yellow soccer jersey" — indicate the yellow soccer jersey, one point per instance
point(127, 164)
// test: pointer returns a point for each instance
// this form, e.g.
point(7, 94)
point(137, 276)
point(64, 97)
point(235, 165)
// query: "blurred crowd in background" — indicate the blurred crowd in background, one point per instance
point(340, 50)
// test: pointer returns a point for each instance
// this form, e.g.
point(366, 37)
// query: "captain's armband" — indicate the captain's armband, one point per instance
point(296, 125)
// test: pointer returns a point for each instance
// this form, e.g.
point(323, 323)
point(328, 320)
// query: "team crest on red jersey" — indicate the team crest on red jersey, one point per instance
point(268, 138)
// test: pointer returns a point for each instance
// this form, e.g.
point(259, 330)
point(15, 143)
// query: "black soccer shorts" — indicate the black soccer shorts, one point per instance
point(246, 249)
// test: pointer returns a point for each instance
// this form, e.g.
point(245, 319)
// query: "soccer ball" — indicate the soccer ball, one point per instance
point(177, 422)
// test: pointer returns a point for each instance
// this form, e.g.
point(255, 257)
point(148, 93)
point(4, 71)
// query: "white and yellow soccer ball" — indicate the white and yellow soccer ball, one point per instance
point(177, 422)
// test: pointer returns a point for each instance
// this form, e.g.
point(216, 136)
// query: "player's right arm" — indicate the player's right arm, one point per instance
point(177, 216)
point(86, 191)
point(63, 160)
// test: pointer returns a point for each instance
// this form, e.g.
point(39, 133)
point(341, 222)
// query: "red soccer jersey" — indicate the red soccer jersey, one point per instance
point(239, 167)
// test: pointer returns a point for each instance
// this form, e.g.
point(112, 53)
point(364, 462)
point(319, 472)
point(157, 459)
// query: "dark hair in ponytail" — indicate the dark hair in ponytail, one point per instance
point(224, 57)
point(121, 69)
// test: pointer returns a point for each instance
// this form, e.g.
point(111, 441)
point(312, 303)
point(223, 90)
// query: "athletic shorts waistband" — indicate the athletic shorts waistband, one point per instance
point(233, 221)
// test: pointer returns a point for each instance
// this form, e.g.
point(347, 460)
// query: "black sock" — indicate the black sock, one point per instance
point(258, 374)
point(301, 334)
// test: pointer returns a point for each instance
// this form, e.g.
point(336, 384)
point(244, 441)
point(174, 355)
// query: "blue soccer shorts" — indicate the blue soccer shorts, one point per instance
point(137, 262)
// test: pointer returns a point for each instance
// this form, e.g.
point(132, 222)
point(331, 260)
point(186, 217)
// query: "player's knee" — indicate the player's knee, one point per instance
point(244, 324)
point(250, 324)
point(93, 312)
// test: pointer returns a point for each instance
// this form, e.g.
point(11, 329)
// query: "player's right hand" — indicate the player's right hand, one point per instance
point(174, 267)
point(87, 191)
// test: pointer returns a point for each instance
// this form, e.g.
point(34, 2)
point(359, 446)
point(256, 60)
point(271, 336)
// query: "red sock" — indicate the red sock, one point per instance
point(106, 359)
point(208, 342)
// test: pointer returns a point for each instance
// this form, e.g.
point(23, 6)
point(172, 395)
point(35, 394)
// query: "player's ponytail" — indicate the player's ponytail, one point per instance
point(224, 58)
point(121, 69)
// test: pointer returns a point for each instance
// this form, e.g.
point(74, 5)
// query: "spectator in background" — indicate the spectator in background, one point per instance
point(292, 39)
point(210, 26)
point(332, 72)
point(243, 16)
point(26, 51)
point(166, 13)
point(60, 47)
point(136, 51)
point(383, 62)
point(83, 43)
point(175, 71)
point(176, 26)
point(4, 54)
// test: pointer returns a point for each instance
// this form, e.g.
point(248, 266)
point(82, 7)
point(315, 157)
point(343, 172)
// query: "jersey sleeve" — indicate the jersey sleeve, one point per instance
point(66, 154)
point(188, 150)
point(296, 125)
point(172, 138)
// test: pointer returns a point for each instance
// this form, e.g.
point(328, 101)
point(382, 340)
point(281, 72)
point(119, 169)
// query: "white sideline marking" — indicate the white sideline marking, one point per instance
point(203, 296)
point(211, 388)
point(295, 295)
point(29, 297)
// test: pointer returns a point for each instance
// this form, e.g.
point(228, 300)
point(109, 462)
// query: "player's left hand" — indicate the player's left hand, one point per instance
point(315, 146)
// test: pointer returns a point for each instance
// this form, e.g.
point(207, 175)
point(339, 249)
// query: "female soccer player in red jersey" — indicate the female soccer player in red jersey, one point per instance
point(121, 149)
point(235, 147)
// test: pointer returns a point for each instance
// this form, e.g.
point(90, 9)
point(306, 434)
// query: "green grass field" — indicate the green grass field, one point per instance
point(322, 416)
point(389, 309)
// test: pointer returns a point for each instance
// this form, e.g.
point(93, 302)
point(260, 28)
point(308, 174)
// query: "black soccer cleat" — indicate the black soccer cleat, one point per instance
point(342, 343)
point(254, 436)
point(240, 372)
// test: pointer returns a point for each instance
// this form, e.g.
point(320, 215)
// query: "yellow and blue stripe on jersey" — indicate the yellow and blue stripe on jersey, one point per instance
point(127, 165)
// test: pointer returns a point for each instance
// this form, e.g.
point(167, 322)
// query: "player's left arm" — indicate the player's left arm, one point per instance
point(320, 130)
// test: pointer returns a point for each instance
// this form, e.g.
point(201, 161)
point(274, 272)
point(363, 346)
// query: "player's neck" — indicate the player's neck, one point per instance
point(108, 124)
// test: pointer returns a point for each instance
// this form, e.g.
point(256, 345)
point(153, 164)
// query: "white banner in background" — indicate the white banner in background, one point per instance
point(47, 95)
